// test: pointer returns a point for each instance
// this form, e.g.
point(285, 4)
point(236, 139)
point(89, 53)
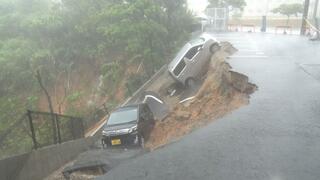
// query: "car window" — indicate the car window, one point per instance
point(192, 52)
point(197, 41)
point(125, 116)
point(179, 67)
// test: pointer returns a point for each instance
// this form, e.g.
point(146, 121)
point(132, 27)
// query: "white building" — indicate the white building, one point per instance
point(313, 8)
point(256, 8)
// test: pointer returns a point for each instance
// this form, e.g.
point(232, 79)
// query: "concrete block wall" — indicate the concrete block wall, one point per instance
point(38, 164)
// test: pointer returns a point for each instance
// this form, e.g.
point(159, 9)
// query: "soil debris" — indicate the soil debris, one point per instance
point(222, 91)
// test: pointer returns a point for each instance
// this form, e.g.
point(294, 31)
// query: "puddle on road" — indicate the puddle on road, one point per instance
point(88, 173)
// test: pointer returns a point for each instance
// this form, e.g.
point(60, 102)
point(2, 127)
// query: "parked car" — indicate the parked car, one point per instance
point(192, 60)
point(128, 125)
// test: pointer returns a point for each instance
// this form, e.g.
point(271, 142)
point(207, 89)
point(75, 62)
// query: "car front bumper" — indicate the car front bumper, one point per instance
point(118, 140)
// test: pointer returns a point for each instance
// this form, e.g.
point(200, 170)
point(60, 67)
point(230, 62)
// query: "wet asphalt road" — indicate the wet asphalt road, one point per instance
point(275, 137)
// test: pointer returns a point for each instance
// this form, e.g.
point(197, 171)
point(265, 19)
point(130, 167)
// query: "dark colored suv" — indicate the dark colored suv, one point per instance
point(128, 125)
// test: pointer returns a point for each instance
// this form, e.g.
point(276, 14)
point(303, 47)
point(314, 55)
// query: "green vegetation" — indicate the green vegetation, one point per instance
point(228, 3)
point(74, 42)
point(289, 10)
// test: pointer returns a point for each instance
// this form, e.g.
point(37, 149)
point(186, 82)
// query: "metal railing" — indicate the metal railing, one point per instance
point(39, 129)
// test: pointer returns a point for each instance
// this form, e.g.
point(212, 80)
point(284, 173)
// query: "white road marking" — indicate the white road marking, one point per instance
point(251, 56)
point(249, 50)
point(98, 128)
point(235, 38)
point(259, 53)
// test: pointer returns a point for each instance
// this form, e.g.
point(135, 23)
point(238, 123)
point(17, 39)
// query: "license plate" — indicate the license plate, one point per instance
point(115, 141)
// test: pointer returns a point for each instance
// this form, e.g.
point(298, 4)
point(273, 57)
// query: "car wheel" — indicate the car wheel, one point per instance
point(214, 48)
point(191, 82)
point(142, 141)
point(104, 144)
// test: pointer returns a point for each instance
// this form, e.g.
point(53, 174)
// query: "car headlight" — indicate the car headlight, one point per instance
point(105, 133)
point(133, 129)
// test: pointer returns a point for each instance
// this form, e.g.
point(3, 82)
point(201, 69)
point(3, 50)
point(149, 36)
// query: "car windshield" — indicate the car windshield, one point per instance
point(197, 41)
point(123, 116)
point(187, 47)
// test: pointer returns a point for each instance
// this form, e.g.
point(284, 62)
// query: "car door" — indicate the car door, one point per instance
point(159, 109)
point(143, 120)
point(198, 61)
point(193, 58)
point(148, 121)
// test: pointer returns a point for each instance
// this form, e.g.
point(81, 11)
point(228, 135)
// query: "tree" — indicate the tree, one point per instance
point(63, 37)
point(305, 16)
point(289, 10)
point(228, 3)
point(53, 119)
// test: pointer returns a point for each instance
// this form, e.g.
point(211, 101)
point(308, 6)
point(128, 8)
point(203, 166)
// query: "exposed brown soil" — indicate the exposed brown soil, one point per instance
point(222, 92)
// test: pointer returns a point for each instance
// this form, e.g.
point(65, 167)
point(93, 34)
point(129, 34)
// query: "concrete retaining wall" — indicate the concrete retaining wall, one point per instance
point(133, 99)
point(40, 163)
point(10, 167)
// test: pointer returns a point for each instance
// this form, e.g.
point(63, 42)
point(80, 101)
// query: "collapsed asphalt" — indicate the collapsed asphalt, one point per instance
point(275, 137)
point(220, 92)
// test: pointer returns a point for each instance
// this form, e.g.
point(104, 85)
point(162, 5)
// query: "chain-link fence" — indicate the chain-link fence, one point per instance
point(47, 128)
point(39, 129)
point(16, 139)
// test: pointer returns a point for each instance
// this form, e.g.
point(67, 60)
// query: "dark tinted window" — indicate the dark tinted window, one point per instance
point(179, 68)
point(124, 116)
point(192, 52)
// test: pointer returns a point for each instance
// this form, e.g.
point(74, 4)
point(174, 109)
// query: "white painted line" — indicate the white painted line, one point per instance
point(245, 47)
point(249, 50)
point(230, 37)
point(239, 42)
point(98, 128)
point(253, 56)
point(249, 53)
point(259, 53)
point(187, 99)
point(304, 64)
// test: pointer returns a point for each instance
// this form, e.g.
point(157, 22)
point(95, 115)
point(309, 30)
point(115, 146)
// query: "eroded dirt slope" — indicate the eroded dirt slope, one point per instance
point(222, 91)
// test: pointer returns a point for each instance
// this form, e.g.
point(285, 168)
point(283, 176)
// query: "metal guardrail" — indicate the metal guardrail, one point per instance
point(137, 94)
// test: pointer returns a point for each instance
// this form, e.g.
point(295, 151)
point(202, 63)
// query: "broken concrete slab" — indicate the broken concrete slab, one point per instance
point(100, 161)
point(221, 92)
point(157, 106)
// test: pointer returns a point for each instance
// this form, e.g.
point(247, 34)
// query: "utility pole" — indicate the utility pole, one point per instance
point(316, 20)
point(264, 17)
point(304, 17)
